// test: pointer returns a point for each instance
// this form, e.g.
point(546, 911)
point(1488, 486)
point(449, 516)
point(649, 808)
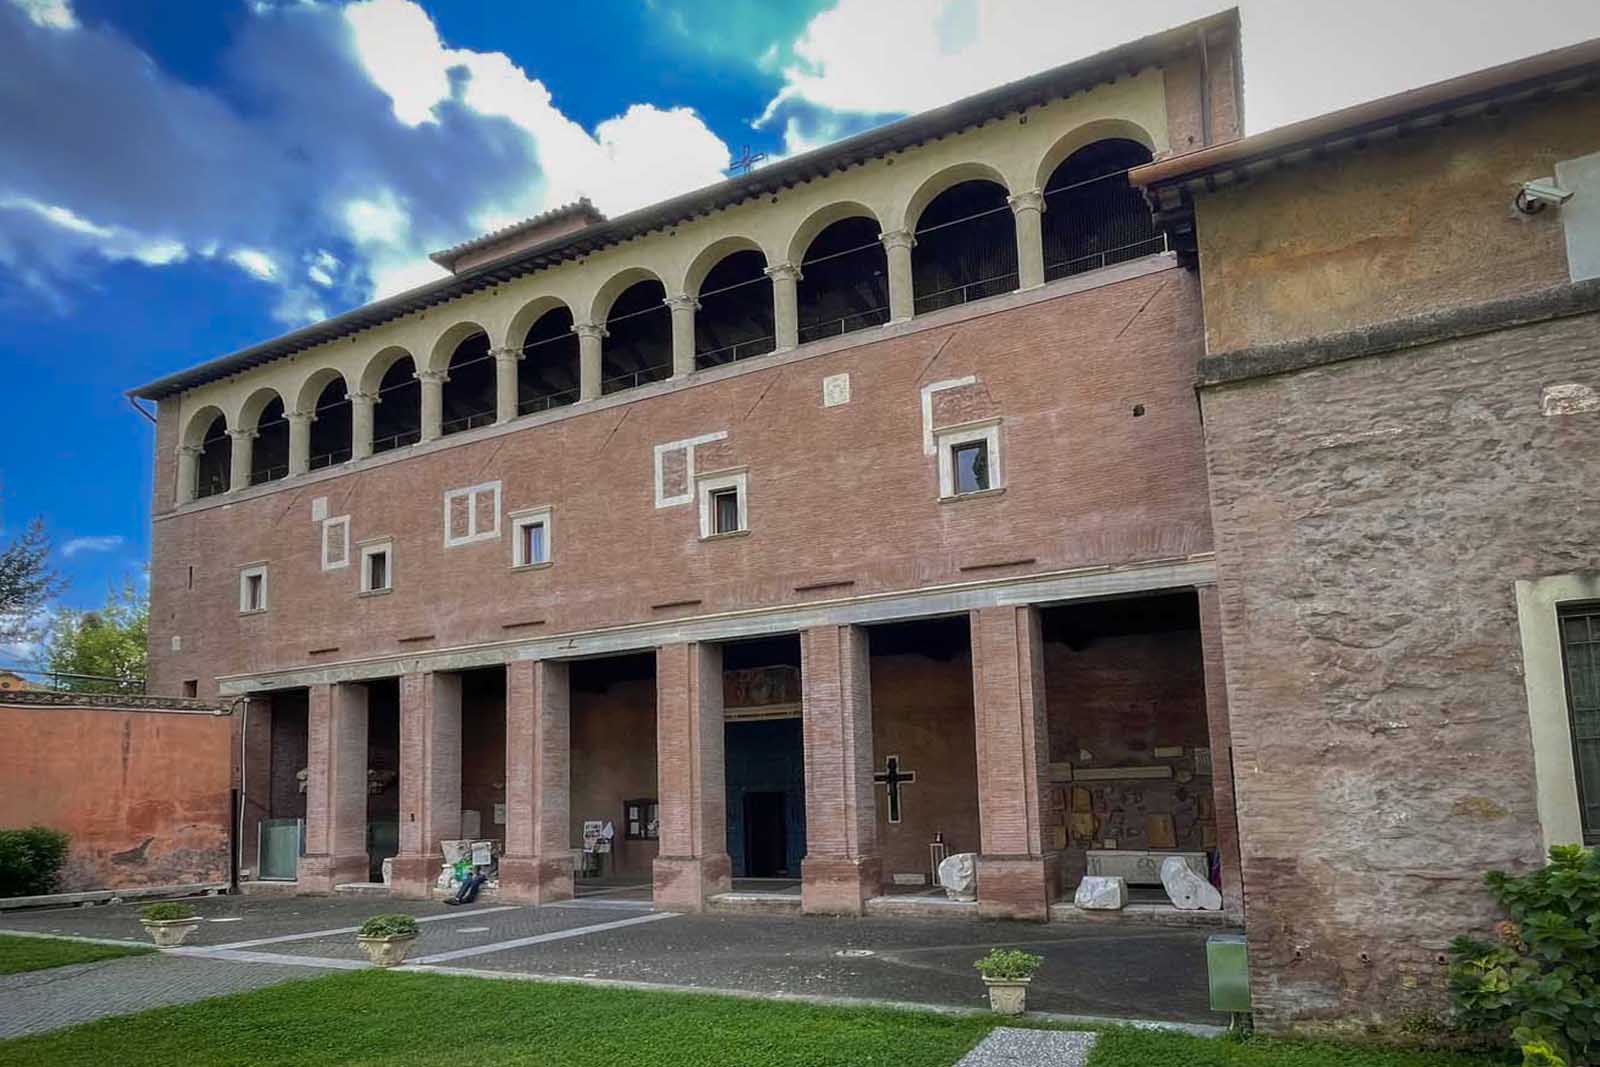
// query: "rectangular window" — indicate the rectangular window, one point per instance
point(377, 567)
point(1580, 653)
point(253, 589)
point(530, 545)
point(725, 508)
point(472, 514)
point(191, 688)
point(724, 503)
point(641, 820)
point(971, 462)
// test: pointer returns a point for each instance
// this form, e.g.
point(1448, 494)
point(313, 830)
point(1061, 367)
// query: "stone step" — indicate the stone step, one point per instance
point(363, 889)
point(1142, 915)
point(756, 903)
point(916, 907)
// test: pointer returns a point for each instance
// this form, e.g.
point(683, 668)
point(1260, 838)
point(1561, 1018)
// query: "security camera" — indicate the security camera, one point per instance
point(1533, 197)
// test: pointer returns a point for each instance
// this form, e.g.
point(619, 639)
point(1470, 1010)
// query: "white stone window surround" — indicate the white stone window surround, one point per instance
point(339, 526)
point(687, 445)
point(253, 604)
point(987, 431)
point(1549, 720)
point(707, 485)
point(479, 527)
point(521, 519)
point(370, 547)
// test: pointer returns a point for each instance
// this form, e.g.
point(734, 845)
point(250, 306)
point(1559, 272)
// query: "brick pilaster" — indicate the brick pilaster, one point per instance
point(537, 866)
point(842, 868)
point(336, 788)
point(253, 753)
point(693, 863)
point(430, 777)
point(1017, 877)
point(1223, 802)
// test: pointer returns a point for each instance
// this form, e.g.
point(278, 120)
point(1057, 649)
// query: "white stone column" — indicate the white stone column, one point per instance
point(300, 441)
point(589, 351)
point(505, 383)
point(432, 402)
point(188, 469)
point(785, 305)
point(243, 453)
point(902, 298)
point(683, 309)
point(361, 405)
point(1028, 208)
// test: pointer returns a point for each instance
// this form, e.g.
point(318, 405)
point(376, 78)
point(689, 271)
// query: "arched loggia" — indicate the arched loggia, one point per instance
point(966, 246)
point(331, 430)
point(469, 390)
point(638, 343)
point(214, 464)
point(547, 374)
point(736, 315)
point(1093, 217)
point(269, 458)
point(397, 418)
point(844, 280)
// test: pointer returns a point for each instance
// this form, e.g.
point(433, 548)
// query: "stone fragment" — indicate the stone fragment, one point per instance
point(1187, 890)
point(1102, 893)
point(959, 876)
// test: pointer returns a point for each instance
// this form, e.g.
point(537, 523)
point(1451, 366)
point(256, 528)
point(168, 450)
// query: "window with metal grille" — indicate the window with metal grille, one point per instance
point(1580, 653)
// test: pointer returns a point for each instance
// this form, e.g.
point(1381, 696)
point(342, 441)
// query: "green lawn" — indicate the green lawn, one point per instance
point(373, 1017)
point(19, 954)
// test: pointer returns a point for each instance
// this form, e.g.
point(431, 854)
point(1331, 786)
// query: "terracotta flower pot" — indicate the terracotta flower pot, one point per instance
point(1008, 996)
point(169, 933)
point(386, 951)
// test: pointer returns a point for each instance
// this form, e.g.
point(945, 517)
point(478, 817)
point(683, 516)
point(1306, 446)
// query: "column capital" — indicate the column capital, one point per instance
point(192, 451)
point(301, 417)
point(359, 397)
point(898, 239)
point(1031, 200)
point(240, 435)
point(682, 302)
point(590, 329)
point(507, 354)
point(785, 271)
point(431, 375)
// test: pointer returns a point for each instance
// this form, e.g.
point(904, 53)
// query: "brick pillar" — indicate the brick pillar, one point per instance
point(1223, 801)
point(537, 866)
point(336, 788)
point(253, 750)
point(430, 777)
point(693, 863)
point(842, 869)
point(1017, 877)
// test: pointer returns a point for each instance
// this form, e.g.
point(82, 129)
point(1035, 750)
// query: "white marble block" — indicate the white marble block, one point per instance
point(959, 876)
point(1187, 890)
point(1138, 866)
point(1102, 893)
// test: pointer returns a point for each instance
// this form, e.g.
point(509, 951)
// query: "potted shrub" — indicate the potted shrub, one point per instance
point(168, 923)
point(1007, 972)
point(386, 938)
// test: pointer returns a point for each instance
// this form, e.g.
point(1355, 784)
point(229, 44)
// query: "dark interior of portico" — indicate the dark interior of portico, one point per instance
point(383, 773)
point(613, 766)
point(483, 755)
point(764, 757)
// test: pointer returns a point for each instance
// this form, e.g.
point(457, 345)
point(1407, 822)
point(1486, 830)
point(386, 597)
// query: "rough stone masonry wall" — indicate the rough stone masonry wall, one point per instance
point(1371, 517)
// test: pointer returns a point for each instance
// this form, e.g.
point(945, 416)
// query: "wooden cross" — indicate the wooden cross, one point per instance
point(893, 777)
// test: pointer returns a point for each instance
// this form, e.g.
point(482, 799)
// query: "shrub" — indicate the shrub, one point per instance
point(31, 860)
point(1539, 984)
point(1008, 964)
point(389, 926)
point(166, 911)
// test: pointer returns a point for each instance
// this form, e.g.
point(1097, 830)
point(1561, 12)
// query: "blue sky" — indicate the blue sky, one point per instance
point(181, 178)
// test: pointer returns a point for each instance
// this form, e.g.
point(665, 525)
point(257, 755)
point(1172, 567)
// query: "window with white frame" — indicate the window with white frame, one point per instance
point(531, 530)
point(969, 459)
point(472, 514)
point(724, 503)
point(252, 588)
point(377, 566)
point(336, 543)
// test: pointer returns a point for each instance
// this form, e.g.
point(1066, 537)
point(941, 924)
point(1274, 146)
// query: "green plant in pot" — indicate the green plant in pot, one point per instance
point(386, 938)
point(168, 923)
point(1007, 972)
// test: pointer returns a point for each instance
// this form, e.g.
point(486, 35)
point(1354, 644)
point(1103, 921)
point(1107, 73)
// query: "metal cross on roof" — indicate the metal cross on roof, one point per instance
point(746, 161)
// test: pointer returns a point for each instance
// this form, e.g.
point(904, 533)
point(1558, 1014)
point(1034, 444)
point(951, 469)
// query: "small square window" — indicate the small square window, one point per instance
point(724, 504)
point(641, 820)
point(191, 688)
point(377, 567)
point(725, 511)
point(971, 462)
point(253, 589)
point(530, 545)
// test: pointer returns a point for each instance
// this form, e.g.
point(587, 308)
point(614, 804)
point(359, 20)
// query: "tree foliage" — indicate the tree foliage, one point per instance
point(27, 581)
point(102, 651)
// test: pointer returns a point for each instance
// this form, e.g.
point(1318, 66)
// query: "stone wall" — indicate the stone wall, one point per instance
point(144, 793)
point(1371, 517)
point(614, 761)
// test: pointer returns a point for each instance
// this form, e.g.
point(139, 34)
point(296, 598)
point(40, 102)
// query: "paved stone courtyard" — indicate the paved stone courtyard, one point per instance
point(249, 942)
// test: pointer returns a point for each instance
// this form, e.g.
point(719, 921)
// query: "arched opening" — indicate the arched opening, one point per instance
point(638, 344)
point(469, 390)
point(214, 465)
point(397, 418)
point(331, 430)
point(844, 280)
point(735, 320)
point(269, 459)
point(547, 376)
point(966, 247)
point(1093, 217)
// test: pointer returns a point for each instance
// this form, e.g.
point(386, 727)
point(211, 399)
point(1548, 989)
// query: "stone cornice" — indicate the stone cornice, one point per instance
point(57, 698)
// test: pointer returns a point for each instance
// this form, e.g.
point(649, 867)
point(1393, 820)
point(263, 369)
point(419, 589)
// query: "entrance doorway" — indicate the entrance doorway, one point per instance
point(766, 848)
point(764, 757)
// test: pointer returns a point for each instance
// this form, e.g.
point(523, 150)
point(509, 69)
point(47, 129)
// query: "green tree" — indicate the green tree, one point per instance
point(104, 648)
point(26, 582)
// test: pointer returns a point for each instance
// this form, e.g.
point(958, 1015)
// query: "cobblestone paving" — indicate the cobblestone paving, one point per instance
point(36, 1001)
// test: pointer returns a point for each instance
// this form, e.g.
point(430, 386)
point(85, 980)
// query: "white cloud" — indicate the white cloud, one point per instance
point(51, 14)
point(78, 545)
point(254, 261)
point(323, 268)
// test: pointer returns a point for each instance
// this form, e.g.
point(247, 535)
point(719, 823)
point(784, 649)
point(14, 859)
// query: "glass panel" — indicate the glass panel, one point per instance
point(726, 503)
point(535, 546)
point(972, 467)
point(378, 570)
point(1580, 646)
